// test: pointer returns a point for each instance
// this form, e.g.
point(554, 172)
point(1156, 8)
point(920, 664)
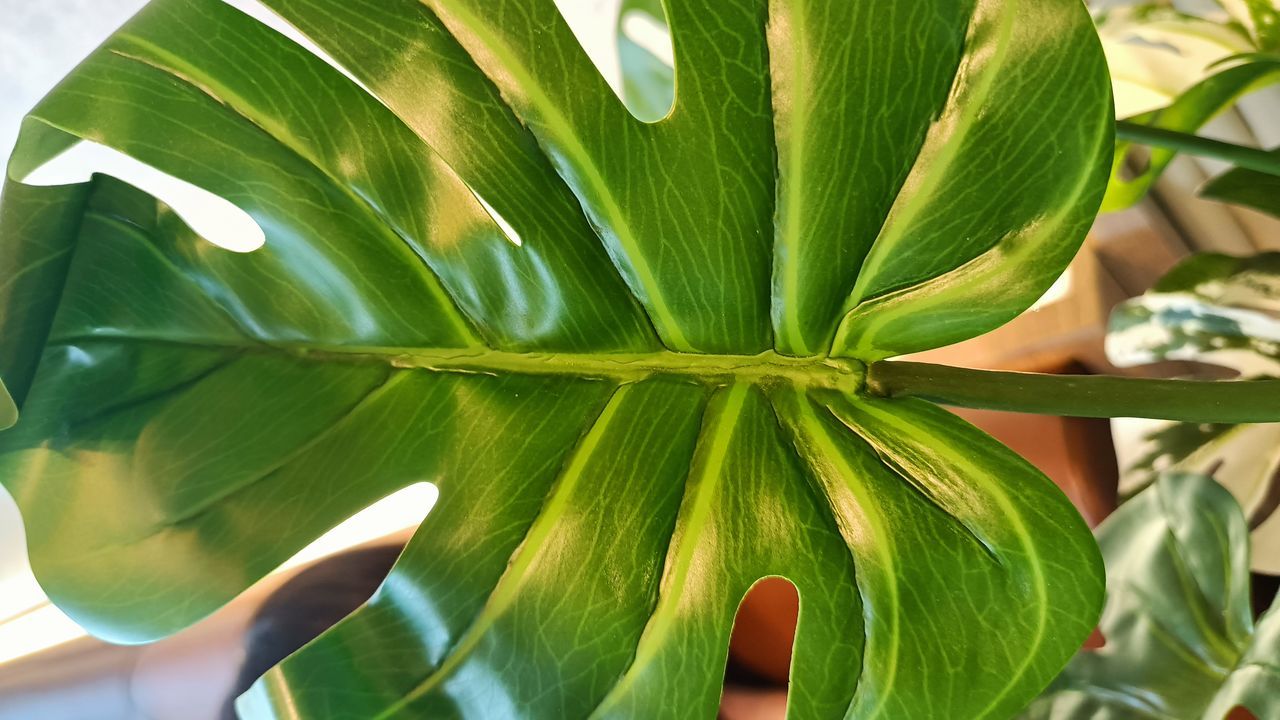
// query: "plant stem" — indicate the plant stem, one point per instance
point(1245, 157)
point(1099, 396)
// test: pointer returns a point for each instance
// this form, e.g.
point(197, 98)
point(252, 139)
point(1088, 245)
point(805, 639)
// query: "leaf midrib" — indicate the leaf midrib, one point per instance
point(844, 374)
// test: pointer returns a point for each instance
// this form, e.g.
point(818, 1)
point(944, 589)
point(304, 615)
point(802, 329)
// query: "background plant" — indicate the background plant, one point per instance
point(1223, 311)
point(644, 362)
point(1181, 640)
point(1196, 60)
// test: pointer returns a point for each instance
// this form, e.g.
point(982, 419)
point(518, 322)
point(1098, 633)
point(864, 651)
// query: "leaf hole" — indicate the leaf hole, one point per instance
point(213, 218)
point(647, 59)
point(760, 649)
point(344, 568)
point(648, 29)
point(507, 229)
point(308, 604)
point(265, 15)
point(631, 49)
point(401, 510)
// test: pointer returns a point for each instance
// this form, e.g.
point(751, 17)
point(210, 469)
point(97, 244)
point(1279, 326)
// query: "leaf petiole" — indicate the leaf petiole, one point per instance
point(1245, 157)
point(1099, 396)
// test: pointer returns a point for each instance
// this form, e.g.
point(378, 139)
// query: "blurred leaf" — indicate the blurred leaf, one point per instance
point(1264, 23)
point(1180, 639)
point(1175, 69)
point(1156, 52)
point(1225, 311)
point(1187, 114)
point(1211, 308)
point(1250, 188)
point(1168, 447)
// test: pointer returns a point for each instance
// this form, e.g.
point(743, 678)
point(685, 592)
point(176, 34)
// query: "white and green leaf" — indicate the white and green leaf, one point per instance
point(1224, 311)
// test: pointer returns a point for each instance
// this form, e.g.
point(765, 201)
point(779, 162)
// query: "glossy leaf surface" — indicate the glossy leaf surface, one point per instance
point(630, 355)
point(1181, 641)
point(1225, 311)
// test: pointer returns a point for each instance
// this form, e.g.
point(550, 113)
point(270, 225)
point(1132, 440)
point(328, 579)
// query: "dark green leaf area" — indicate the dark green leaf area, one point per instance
point(601, 516)
point(35, 261)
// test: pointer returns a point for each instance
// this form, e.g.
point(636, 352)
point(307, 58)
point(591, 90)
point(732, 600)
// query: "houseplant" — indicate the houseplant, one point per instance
point(1218, 310)
point(1176, 65)
point(1180, 636)
point(643, 362)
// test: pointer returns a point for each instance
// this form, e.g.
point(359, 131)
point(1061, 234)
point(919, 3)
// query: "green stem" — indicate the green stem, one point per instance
point(1245, 157)
point(1098, 396)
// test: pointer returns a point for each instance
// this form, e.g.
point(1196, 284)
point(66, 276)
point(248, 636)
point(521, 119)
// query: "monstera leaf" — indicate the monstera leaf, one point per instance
point(637, 359)
point(1180, 639)
point(1225, 311)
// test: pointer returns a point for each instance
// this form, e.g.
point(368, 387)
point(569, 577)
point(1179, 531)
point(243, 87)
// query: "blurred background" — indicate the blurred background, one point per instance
point(50, 670)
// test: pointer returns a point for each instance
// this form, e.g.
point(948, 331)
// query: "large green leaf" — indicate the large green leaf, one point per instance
point(1225, 311)
point(1181, 642)
point(641, 399)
